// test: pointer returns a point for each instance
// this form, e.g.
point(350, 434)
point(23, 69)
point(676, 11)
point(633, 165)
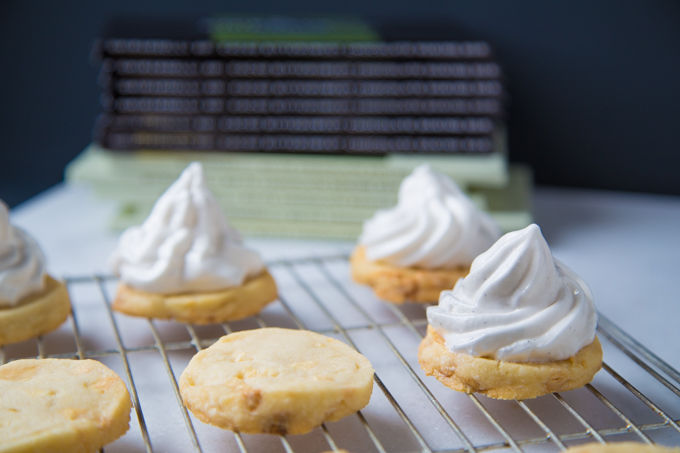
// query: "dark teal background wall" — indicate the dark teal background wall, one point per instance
point(595, 85)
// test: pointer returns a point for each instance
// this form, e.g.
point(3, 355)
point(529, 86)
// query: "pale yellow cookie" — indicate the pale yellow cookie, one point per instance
point(622, 447)
point(506, 380)
point(276, 381)
point(36, 314)
point(229, 304)
point(403, 284)
point(61, 406)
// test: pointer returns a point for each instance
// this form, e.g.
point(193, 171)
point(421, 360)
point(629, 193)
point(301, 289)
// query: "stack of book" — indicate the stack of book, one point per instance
point(300, 139)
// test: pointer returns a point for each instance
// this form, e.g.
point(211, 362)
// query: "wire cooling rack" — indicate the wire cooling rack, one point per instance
point(636, 396)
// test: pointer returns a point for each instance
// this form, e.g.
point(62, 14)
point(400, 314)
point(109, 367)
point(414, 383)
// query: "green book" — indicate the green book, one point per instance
point(297, 195)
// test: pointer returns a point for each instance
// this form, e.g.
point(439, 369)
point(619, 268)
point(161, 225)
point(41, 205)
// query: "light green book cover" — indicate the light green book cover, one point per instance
point(297, 195)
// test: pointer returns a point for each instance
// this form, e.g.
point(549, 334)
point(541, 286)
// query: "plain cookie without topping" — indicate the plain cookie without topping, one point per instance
point(276, 381)
point(61, 406)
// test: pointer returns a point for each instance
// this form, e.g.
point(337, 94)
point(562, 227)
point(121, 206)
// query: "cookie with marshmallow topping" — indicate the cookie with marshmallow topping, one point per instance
point(186, 262)
point(520, 325)
point(31, 302)
point(424, 244)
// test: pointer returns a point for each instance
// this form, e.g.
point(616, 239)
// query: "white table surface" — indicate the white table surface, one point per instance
point(625, 245)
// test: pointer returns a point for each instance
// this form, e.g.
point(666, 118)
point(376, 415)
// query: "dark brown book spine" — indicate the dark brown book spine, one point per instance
point(356, 98)
point(302, 124)
point(302, 69)
point(444, 50)
point(335, 144)
point(304, 88)
point(302, 106)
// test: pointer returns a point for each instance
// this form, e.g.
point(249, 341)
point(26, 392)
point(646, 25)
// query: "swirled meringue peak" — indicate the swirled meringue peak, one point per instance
point(22, 263)
point(433, 226)
point(518, 304)
point(185, 245)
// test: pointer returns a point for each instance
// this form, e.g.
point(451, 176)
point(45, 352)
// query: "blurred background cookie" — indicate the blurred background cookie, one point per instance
point(31, 302)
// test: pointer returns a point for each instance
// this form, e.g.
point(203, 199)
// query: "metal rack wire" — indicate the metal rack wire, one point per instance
point(646, 415)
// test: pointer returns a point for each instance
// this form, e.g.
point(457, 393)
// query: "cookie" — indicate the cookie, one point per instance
point(276, 381)
point(229, 304)
point(506, 380)
point(36, 314)
point(622, 447)
point(398, 285)
point(61, 405)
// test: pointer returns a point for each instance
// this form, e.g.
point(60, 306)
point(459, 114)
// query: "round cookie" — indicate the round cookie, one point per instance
point(506, 380)
point(622, 447)
point(229, 304)
point(400, 284)
point(276, 381)
point(61, 406)
point(36, 314)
